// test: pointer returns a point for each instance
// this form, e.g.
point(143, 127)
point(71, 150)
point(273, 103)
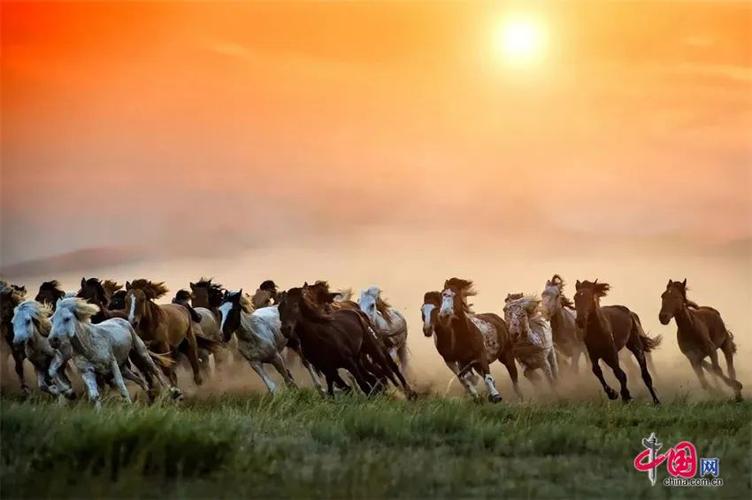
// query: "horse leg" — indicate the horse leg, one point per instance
point(575, 361)
point(312, 373)
point(259, 368)
point(192, 353)
point(402, 354)
point(493, 394)
point(18, 359)
point(117, 377)
point(507, 360)
point(599, 374)
point(613, 362)
point(281, 367)
point(553, 362)
point(716, 370)
point(639, 355)
point(728, 353)
point(134, 377)
point(696, 363)
point(92, 387)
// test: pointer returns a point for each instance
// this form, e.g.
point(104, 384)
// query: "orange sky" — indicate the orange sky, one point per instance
point(259, 124)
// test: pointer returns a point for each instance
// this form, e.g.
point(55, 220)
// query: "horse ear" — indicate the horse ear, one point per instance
point(305, 284)
point(83, 282)
point(684, 283)
point(670, 282)
point(193, 285)
point(127, 285)
point(595, 282)
point(577, 285)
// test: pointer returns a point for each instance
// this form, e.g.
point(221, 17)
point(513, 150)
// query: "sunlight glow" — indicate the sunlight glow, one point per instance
point(521, 40)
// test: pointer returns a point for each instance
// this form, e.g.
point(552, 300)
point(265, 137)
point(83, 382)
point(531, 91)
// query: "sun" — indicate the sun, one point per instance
point(521, 40)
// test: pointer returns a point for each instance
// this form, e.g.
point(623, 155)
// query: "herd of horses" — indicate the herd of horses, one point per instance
point(112, 333)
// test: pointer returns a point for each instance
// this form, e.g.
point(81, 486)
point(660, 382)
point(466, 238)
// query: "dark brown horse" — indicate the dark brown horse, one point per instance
point(99, 293)
point(608, 330)
point(701, 332)
point(342, 339)
point(10, 297)
point(49, 293)
point(164, 327)
point(469, 341)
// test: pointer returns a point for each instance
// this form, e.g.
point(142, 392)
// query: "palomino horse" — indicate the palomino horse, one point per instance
point(99, 293)
point(341, 339)
point(559, 310)
point(259, 335)
point(701, 331)
point(530, 333)
point(391, 327)
point(607, 330)
point(165, 327)
point(31, 326)
point(10, 297)
point(49, 293)
point(469, 341)
point(266, 295)
point(104, 349)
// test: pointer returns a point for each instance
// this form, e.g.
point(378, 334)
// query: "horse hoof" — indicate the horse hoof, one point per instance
point(494, 398)
point(198, 380)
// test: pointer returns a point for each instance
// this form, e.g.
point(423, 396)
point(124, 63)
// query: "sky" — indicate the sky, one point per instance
point(181, 130)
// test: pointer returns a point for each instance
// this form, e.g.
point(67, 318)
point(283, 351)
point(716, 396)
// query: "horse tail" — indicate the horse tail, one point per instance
point(648, 343)
point(164, 360)
point(208, 344)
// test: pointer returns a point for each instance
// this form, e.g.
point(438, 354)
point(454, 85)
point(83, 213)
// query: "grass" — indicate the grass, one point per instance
point(300, 445)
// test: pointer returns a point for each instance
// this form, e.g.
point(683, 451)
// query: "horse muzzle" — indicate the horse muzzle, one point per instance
point(427, 331)
point(664, 318)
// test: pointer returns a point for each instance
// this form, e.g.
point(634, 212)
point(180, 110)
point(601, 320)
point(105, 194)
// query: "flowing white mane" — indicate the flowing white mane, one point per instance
point(35, 310)
point(82, 309)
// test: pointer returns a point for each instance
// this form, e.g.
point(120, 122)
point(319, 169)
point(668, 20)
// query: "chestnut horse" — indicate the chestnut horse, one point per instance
point(469, 341)
point(700, 333)
point(164, 327)
point(608, 330)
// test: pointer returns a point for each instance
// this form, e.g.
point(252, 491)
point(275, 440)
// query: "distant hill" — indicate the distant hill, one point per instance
point(78, 260)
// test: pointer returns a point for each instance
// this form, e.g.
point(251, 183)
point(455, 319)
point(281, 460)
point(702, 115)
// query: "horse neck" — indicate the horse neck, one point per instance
point(38, 341)
point(81, 340)
point(684, 319)
point(152, 314)
point(444, 337)
point(597, 320)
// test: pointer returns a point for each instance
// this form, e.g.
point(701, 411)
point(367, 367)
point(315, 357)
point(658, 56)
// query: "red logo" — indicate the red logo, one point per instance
point(681, 460)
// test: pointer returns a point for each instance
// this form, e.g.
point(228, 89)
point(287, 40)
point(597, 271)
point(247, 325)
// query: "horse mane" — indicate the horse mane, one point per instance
point(682, 287)
point(82, 309)
point(151, 290)
point(214, 291)
point(12, 293)
point(269, 286)
point(246, 303)
point(111, 286)
point(528, 302)
point(559, 282)
point(463, 288)
point(556, 280)
point(182, 296)
point(432, 297)
point(52, 286)
point(600, 289)
point(511, 297)
point(310, 310)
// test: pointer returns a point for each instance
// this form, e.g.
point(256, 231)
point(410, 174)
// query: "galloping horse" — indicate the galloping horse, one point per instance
point(530, 333)
point(104, 349)
point(391, 327)
point(700, 332)
point(206, 298)
point(559, 310)
point(340, 339)
point(469, 341)
point(165, 327)
point(10, 297)
point(259, 335)
point(327, 300)
point(607, 330)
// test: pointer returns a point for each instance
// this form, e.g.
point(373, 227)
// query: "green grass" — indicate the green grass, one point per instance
point(301, 445)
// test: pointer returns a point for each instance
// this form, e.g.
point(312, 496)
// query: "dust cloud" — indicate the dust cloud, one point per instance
point(405, 266)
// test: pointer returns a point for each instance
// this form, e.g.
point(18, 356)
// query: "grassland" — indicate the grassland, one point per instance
point(301, 445)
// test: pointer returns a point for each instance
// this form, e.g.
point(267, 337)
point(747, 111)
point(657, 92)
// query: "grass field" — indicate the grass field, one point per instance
point(301, 445)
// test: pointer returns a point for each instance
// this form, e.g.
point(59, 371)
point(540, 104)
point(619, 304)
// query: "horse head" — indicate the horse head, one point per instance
point(587, 299)
point(30, 316)
point(49, 293)
point(232, 305)
point(69, 313)
point(673, 300)
point(518, 309)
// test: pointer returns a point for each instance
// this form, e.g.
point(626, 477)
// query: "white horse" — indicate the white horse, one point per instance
point(259, 335)
point(391, 327)
point(104, 349)
point(31, 326)
point(532, 339)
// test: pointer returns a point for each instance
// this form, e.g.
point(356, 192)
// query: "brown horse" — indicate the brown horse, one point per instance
point(99, 293)
point(342, 339)
point(164, 327)
point(10, 297)
point(469, 341)
point(700, 333)
point(321, 295)
point(608, 330)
